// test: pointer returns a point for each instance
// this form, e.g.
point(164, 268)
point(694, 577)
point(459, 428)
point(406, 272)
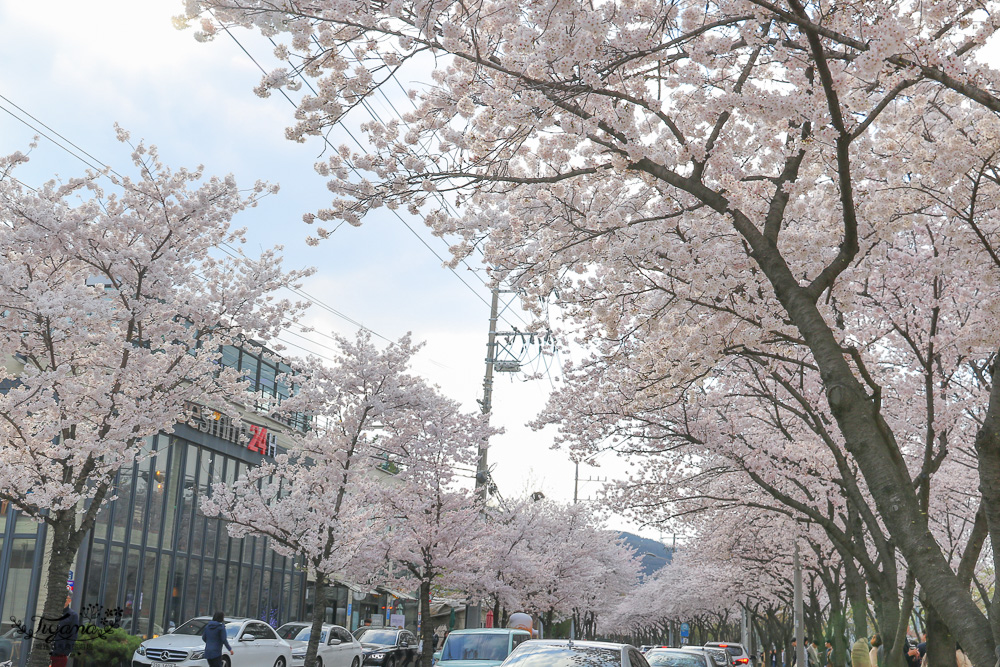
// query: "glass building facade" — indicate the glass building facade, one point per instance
point(152, 553)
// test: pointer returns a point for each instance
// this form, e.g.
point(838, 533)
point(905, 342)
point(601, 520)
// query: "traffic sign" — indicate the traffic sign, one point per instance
point(685, 630)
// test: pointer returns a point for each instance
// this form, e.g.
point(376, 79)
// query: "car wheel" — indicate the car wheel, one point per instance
point(356, 663)
point(280, 662)
point(389, 662)
point(226, 662)
point(319, 661)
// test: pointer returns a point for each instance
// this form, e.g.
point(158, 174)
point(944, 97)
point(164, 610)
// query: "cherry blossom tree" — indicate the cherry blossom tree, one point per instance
point(707, 180)
point(115, 307)
point(763, 422)
point(437, 530)
point(318, 502)
point(516, 558)
point(556, 561)
point(585, 566)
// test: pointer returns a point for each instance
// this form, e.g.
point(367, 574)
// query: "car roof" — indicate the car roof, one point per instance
point(229, 619)
point(585, 644)
point(487, 631)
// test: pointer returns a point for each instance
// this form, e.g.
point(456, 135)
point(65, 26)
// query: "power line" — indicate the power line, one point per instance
point(232, 252)
point(26, 113)
point(41, 133)
point(326, 140)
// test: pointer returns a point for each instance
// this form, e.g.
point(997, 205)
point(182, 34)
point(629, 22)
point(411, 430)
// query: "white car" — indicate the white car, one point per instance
point(255, 644)
point(740, 656)
point(337, 646)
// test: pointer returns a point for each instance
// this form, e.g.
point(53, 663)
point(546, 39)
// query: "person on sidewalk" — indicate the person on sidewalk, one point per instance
point(214, 636)
point(812, 653)
point(876, 656)
point(67, 631)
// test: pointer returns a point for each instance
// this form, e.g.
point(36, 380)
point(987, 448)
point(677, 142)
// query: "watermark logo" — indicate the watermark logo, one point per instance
point(94, 622)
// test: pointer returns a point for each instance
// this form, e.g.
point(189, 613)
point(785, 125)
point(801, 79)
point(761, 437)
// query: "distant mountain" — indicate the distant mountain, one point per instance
point(652, 554)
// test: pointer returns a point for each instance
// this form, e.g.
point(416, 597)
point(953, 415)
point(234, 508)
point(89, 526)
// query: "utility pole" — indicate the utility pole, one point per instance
point(576, 483)
point(800, 635)
point(473, 611)
point(482, 471)
point(744, 629)
point(506, 365)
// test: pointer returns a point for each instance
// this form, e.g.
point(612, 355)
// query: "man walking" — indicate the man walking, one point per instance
point(812, 653)
point(214, 636)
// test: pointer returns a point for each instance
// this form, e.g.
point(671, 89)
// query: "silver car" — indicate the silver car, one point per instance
point(565, 653)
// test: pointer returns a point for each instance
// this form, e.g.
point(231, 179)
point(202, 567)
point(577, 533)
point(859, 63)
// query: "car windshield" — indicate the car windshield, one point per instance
point(289, 630)
point(193, 627)
point(377, 636)
point(549, 655)
point(674, 659)
point(304, 634)
point(196, 626)
point(481, 646)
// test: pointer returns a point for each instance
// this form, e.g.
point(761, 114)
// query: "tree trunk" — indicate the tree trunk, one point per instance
point(857, 595)
point(426, 625)
point(897, 649)
point(65, 541)
point(869, 439)
point(988, 454)
point(836, 631)
point(940, 643)
point(319, 614)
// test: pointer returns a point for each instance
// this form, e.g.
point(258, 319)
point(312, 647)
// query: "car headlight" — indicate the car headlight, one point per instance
point(377, 656)
point(298, 651)
point(141, 650)
point(198, 655)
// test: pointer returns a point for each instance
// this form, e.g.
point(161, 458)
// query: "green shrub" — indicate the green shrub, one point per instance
point(105, 647)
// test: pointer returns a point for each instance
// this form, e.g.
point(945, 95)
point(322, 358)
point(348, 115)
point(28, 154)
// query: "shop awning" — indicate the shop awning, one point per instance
point(357, 588)
point(398, 594)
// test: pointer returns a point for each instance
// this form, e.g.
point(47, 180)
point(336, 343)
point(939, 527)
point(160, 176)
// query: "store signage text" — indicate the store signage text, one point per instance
point(212, 422)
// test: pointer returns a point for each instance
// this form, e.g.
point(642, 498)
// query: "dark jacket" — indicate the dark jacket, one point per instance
point(66, 632)
point(214, 636)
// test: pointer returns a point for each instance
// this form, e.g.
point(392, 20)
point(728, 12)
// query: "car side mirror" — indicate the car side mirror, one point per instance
point(170, 631)
point(248, 638)
point(334, 641)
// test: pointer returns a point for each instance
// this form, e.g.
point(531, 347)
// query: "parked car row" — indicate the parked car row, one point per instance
point(256, 644)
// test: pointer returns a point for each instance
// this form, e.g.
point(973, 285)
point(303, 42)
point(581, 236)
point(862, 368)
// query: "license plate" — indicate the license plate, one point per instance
point(163, 664)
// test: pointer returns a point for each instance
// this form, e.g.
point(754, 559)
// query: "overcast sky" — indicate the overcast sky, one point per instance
point(79, 67)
